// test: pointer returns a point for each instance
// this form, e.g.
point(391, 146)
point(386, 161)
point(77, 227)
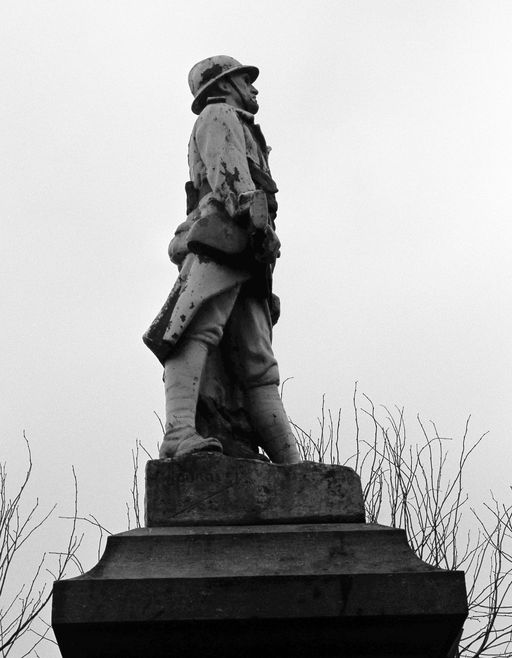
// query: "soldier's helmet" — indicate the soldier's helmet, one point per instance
point(208, 71)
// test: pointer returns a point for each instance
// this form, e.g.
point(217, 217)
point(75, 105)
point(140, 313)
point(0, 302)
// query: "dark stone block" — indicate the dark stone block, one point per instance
point(376, 637)
point(300, 590)
point(211, 489)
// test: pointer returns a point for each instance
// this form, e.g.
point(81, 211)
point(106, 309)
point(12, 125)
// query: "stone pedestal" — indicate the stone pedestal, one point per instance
point(252, 579)
point(215, 490)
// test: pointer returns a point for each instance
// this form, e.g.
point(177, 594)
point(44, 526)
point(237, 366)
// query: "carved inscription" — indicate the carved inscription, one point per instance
point(208, 478)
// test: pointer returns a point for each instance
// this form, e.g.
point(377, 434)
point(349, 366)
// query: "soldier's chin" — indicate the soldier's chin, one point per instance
point(252, 105)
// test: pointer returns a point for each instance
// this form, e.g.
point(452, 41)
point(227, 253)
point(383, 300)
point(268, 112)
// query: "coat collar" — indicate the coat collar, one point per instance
point(255, 129)
point(245, 116)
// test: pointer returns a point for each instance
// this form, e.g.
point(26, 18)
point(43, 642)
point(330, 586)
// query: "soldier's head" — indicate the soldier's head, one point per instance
point(223, 76)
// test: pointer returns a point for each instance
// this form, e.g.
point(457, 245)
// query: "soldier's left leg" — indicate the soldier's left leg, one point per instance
point(249, 336)
point(182, 378)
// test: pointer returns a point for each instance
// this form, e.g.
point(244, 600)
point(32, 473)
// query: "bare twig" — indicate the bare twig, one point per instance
point(19, 612)
point(417, 486)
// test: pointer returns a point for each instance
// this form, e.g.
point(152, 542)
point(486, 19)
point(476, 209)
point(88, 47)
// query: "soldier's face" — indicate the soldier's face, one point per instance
point(247, 91)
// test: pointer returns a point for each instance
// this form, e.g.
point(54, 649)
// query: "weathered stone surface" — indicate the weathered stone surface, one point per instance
point(224, 399)
point(284, 590)
point(204, 489)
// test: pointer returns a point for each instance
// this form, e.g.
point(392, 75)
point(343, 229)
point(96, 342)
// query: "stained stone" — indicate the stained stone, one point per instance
point(223, 570)
point(212, 489)
point(303, 590)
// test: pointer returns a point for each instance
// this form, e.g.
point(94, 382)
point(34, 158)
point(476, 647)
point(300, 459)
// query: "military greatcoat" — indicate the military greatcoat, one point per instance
point(228, 158)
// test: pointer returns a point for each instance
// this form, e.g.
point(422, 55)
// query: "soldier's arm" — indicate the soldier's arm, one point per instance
point(220, 142)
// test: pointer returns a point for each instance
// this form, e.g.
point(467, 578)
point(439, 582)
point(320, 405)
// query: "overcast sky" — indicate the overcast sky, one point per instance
point(390, 123)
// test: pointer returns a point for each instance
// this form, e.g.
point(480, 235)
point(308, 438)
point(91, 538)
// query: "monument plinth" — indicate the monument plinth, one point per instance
point(255, 579)
point(212, 489)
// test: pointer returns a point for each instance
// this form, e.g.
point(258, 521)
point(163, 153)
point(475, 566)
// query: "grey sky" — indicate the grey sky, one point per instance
point(392, 136)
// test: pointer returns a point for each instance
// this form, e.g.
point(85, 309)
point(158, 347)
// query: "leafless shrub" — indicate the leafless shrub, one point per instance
point(134, 507)
point(21, 606)
point(417, 485)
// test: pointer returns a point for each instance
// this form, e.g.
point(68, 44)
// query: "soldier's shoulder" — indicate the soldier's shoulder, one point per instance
point(216, 111)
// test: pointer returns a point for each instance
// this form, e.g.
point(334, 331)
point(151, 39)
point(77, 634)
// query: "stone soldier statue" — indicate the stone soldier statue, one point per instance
point(213, 334)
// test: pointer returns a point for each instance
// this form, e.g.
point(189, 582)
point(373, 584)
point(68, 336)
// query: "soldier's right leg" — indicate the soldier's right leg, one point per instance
point(249, 334)
point(182, 378)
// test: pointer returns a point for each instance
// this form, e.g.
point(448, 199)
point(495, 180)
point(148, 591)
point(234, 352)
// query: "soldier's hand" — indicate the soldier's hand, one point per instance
point(266, 245)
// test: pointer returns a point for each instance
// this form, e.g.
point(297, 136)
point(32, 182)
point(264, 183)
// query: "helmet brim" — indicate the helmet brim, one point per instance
point(201, 96)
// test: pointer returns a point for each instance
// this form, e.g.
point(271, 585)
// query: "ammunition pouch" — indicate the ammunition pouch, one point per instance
point(178, 247)
point(218, 235)
point(237, 241)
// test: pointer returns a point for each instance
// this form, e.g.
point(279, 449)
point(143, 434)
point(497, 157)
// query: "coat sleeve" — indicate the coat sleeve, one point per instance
point(220, 142)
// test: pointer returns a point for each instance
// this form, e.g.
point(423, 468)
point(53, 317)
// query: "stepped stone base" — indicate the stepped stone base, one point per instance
point(282, 589)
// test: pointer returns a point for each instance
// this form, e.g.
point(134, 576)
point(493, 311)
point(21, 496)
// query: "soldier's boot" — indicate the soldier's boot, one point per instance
point(182, 379)
point(269, 419)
